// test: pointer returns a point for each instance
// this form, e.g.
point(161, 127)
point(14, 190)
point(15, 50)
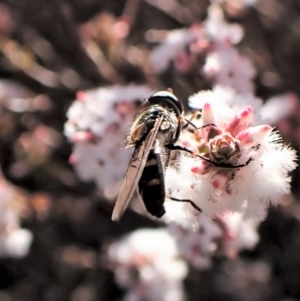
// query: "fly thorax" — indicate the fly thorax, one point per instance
point(165, 125)
point(169, 124)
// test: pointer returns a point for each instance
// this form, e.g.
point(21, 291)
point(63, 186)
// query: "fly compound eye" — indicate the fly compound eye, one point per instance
point(161, 96)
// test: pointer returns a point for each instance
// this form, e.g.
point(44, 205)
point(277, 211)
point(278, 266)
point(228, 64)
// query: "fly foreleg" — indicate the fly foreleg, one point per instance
point(186, 201)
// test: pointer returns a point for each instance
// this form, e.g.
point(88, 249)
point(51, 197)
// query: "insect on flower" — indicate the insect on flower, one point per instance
point(155, 128)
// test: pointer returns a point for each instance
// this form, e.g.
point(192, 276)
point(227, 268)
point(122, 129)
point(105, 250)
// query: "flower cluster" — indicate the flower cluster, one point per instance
point(173, 47)
point(198, 245)
point(150, 263)
point(16, 98)
point(214, 39)
point(239, 166)
point(237, 234)
point(98, 122)
point(200, 238)
point(147, 263)
point(233, 154)
point(14, 241)
point(242, 165)
point(235, 7)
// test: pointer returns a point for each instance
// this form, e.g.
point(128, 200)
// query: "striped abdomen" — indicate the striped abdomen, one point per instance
point(152, 185)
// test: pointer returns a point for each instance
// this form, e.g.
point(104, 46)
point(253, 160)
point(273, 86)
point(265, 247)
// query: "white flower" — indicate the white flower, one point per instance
point(14, 241)
point(210, 181)
point(16, 244)
point(98, 122)
point(238, 4)
point(173, 46)
point(213, 38)
point(226, 67)
point(18, 98)
point(197, 245)
point(225, 103)
point(279, 107)
point(147, 263)
point(219, 30)
point(238, 233)
point(225, 234)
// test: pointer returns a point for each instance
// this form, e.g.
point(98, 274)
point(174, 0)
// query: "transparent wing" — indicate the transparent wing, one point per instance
point(135, 170)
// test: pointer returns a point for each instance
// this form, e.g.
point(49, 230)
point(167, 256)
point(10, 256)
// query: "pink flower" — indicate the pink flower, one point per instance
point(226, 67)
point(151, 270)
point(173, 47)
point(241, 166)
point(219, 30)
point(237, 233)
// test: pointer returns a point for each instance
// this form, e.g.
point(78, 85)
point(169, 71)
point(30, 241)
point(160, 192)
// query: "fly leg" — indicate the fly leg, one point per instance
point(186, 201)
point(216, 164)
point(179, 147)
point(189, 122)
point(225, 165)
point(196, 114)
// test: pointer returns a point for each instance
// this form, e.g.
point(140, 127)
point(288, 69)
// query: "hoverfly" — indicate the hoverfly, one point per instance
point(155, 128)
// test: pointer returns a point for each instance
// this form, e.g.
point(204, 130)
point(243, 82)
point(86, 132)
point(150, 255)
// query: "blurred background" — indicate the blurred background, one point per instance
point(55, 228)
